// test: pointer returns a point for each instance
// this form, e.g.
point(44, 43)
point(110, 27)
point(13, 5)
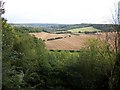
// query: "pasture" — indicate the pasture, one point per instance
point(84, 30)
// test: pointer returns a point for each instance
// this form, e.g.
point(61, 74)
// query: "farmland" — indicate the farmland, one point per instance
point(84, 30)
point(45, 36)
point(67, 42)
point(71, 41)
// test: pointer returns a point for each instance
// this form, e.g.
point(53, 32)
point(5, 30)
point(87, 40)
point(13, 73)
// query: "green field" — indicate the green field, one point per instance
point(83, 30)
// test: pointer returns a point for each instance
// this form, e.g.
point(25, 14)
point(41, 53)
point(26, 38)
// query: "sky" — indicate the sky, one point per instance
point(59, 11)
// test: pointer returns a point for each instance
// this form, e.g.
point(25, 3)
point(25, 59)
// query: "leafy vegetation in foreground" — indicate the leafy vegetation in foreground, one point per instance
point(28, 65)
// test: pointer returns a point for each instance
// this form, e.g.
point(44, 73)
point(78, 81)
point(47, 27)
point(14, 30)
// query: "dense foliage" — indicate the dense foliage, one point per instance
point(28, 64)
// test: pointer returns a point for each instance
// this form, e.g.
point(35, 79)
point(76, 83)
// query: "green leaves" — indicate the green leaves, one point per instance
point(27, 64)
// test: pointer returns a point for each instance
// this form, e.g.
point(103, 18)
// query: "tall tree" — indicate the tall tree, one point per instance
point(115, 77)
point(2, 11)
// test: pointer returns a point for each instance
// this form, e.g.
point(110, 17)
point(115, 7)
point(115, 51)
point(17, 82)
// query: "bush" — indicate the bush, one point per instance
point(90, 70)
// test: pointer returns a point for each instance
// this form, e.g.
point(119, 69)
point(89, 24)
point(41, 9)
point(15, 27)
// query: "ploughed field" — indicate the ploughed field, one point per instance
point(63, 41)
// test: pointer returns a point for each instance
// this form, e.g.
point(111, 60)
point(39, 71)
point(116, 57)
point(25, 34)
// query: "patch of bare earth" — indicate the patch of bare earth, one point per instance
point(68, 42)
point(45, 36)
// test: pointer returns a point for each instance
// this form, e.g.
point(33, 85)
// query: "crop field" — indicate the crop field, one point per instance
point(73, 42)
point(83, 30)
point(45, 36)
point(70, 42)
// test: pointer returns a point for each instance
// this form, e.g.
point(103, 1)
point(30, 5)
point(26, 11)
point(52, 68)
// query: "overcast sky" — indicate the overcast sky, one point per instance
point(59, 11)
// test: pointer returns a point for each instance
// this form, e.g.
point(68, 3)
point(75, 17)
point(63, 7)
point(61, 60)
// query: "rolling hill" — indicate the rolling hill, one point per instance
point(84, 30)
point(67, 42)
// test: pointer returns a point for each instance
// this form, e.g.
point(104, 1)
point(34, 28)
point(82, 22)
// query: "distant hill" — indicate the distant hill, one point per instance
point(64, 27)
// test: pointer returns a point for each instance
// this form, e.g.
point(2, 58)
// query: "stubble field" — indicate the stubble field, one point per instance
point(67, 42)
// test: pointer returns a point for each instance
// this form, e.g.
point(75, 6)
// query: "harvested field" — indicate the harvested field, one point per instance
point(45, 36)
point(67, 43)
point(71, 43)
